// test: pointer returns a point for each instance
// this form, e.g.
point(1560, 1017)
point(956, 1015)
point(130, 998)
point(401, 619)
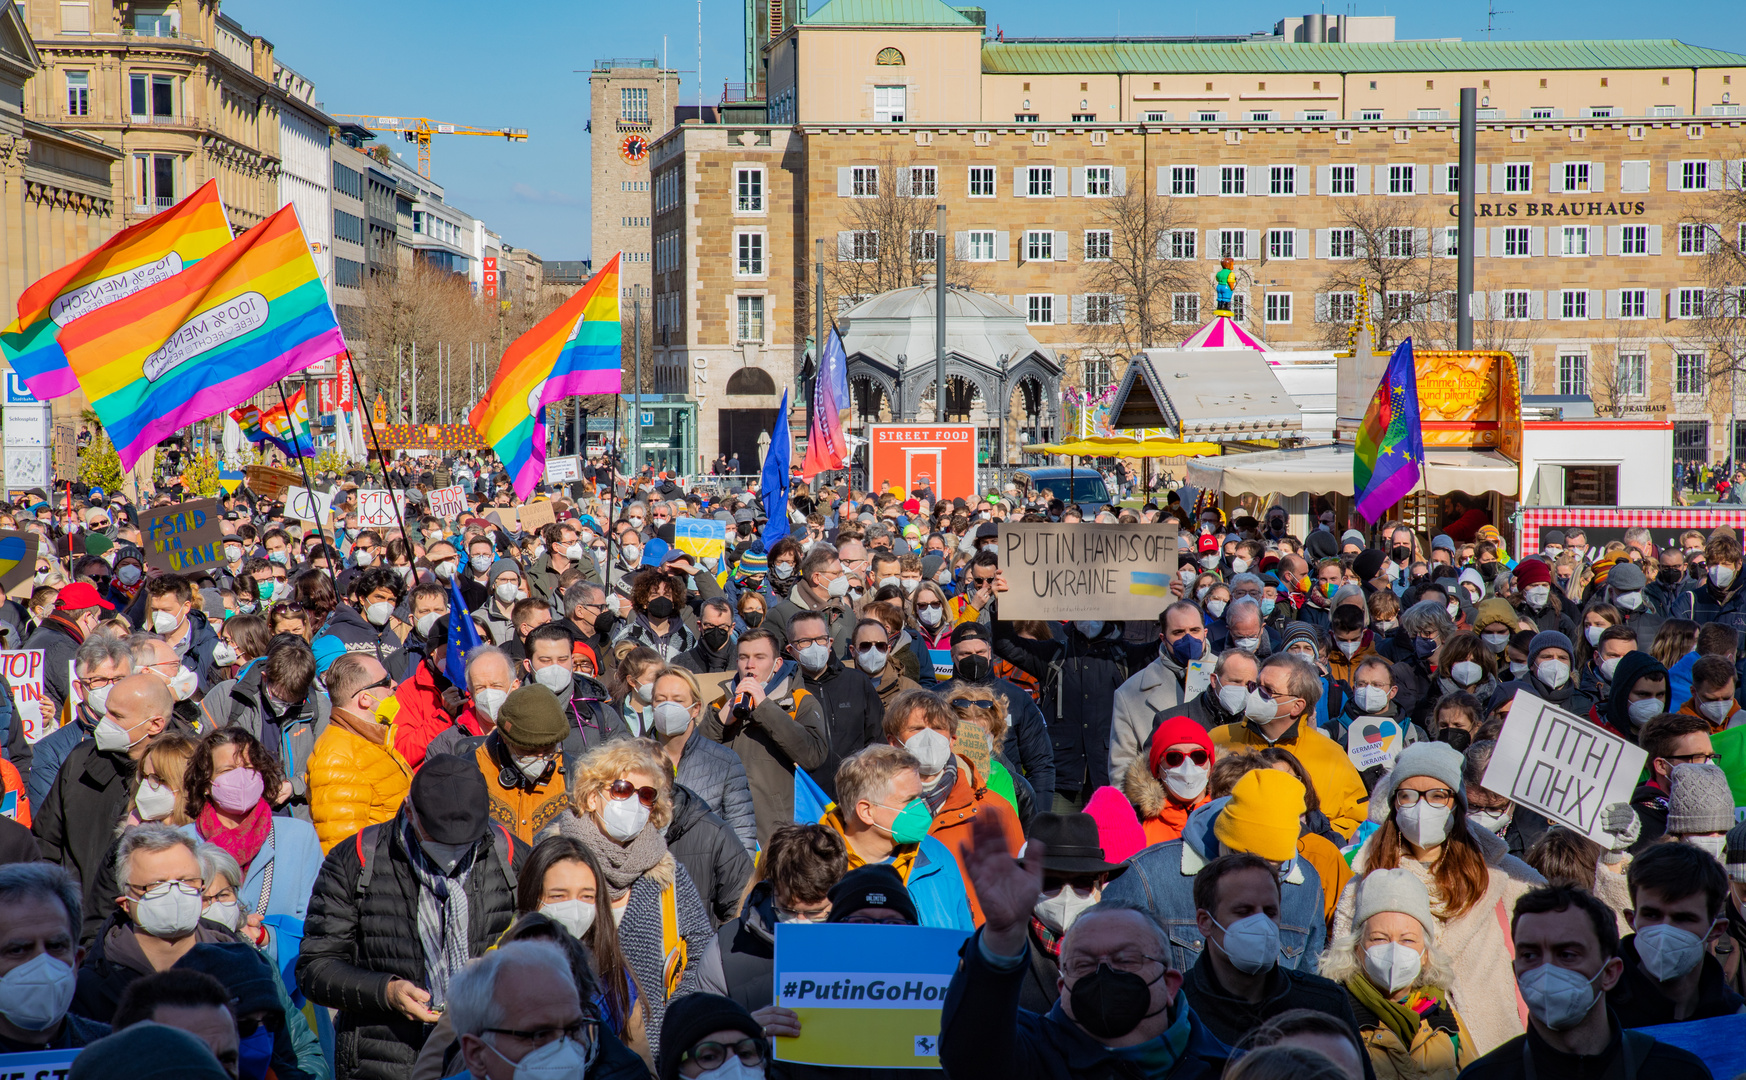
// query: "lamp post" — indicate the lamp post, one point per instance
point(1000, 427)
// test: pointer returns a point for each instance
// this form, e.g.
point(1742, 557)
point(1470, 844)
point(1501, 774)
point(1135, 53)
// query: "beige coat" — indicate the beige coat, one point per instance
point(1478, 941)
point(1431, 1056)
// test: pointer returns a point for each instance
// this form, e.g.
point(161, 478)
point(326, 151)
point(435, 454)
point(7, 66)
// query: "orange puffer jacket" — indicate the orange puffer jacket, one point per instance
point(356, 778)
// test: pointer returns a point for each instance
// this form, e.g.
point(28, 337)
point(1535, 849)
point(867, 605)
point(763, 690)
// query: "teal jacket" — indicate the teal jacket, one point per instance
point(937, 887)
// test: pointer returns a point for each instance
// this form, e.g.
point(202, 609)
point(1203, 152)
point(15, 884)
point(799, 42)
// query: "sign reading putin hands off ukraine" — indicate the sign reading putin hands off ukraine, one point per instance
point(1084, 570)
point(866, 995)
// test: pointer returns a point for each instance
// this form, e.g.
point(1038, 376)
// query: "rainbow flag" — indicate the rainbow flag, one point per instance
point(1388, 457)
point(191, 347)
point(145, 254)
point(289, 433)
point(825, 448)
point(574, 350)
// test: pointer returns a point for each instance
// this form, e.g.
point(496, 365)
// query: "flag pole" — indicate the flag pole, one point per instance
point(611, 490)
point(358, 389)
point(303, 463)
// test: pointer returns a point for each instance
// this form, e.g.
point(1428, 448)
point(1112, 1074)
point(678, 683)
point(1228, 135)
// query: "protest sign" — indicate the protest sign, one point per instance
point(18, 552)
point(1565, 766)
point(866, 995)
point(37, 1065)
point(448, 502)
point(183, 537)
point(562, 470)
point(715, 684)
point(1059, 570)
point(306, 505)
point(536, 515)
point(24, 673)
point(701, 538)
point(1720, 1041)
point(376, 508)
point(1372, 741)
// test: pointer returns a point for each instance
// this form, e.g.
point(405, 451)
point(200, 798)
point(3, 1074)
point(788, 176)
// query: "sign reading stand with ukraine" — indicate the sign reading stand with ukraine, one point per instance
point(1082, 570)
point(866, 995)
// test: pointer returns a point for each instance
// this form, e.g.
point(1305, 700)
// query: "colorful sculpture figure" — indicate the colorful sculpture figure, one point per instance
point(1224, 281)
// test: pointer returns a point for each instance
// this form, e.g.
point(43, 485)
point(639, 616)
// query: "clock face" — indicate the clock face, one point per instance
point(634, 149)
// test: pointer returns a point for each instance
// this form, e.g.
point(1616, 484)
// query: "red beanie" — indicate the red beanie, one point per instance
point(1177, 729)
point(1532, 572)
point(1118, 827)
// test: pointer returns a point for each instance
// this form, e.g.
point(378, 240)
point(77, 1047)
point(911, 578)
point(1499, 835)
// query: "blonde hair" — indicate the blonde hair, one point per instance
point(168, 754)
point(1344, 960)
point(689, 679)
point(867, 774)
point(992, 716)
point(598, 768)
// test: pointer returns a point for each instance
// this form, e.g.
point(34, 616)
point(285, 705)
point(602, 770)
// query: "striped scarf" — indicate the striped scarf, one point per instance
point(443, 917)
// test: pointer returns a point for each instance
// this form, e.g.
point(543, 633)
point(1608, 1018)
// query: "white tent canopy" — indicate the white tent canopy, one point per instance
point(1328, 469)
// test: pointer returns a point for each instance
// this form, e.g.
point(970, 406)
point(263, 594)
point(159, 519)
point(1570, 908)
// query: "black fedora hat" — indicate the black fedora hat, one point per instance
point(1071, 845)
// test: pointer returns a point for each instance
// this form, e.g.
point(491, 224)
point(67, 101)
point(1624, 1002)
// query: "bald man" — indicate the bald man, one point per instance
point(155, 656)
point(77, 823)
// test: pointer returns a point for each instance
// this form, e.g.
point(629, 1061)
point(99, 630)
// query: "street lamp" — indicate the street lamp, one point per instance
point(1001, 425)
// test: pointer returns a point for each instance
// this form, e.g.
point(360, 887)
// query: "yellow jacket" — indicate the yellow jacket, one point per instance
point(1336, 781)
point(356, 777)
point(1432, 1056)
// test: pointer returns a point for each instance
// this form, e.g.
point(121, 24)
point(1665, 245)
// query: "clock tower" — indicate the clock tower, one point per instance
point(633, 102)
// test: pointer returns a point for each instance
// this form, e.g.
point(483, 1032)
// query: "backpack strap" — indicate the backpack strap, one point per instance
point(366, 840)
point(506, 855)
point(674, 949)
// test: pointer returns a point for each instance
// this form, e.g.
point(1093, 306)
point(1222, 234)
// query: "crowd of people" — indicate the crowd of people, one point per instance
point(275, 829)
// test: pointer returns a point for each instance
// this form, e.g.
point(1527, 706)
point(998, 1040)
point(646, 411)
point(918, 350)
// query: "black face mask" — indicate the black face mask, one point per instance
point(1456, 738)
point(1109, 1004)
point(972, 668)
point(1488, 571)
point(660, 608)
point(603, 624)
point(753, 619)
point(1669, 575)
point(1400, 553)
point(715, 638)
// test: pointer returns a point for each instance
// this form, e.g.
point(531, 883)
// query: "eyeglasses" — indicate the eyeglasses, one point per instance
point(585, 1031)
point(1437, 797)
point(803, 642)
point(1133, 963)
point(816, 915)
point(248, 1025)
point(1175, 758)
point(928, 607)
point(191, 886)
point(1698, 758)
point(710, 1055)
point(876, 646)
point(624, 789)
point(972, 703)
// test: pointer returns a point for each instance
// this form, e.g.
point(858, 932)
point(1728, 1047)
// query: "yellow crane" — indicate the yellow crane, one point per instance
point(419, 129)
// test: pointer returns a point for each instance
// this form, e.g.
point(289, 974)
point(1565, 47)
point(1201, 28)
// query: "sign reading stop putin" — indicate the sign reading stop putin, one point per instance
point(941, 457)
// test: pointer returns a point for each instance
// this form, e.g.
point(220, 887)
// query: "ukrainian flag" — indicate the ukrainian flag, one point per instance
point(1143, 584)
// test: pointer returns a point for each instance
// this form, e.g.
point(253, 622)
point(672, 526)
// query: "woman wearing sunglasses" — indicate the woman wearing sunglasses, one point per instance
point(870, 653)
point(620, 801)
point(931, 624)
point(715, 1037)
point(1171, 781)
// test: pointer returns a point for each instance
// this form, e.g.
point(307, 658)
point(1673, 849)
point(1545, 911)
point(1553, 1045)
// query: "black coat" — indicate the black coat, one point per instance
point(1078, 699)
point(113, 962)
point(1654, 1059)
point(854, 717)
point(747, 945)
point(58, 645)
point(1637, 1000)
point(75, 826)
point(710, 852)
point(1229, 1018)
point(355, 945)
point(17, 844)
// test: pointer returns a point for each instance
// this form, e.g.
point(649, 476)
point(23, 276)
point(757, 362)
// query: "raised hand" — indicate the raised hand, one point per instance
point(1006, 888)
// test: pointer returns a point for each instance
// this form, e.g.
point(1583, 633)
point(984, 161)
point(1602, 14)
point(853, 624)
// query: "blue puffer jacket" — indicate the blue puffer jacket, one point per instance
point(1162, 878)
point(937, 887)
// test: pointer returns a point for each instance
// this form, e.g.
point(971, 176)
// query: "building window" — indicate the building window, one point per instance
point(1516, 305)
point(1574, 240)
point(981, 181)
point(981, 245)
point(1239, 307)
point(1342, 243)
point(864, 181)
point(1282, 180)
point(1574, 304)
point(751, 252)
point(751, 318)
point(1039, 245)
point(1370, 114)
point(1039, 309)
point(1231, 244)
point(1024, 118)
point(1398, 305)
point(1233, 179)
point(1097, 180)
point(1542, 114)
point(1096, 373)
point(1633, 303)
point(921, 245)
point(1207, 117)
point(1573, 376)
point(889, 57)
point(863, 245)
point(1634, 240)
point(750, 190)
point(1100, 310)
point(1342, 307)
point(348, 181)
point(78, 93)
point(1343, 180)
point(1183, 243)
point(1397, 243)
point(1040, 181)
point(633, 104)
point(1689, 376)
point(1691, 441)
point(348, 227)
point(1282, 243)
point(1518, 177)
point(1689, 303)
point(1452, 179)
point(1515, 242)
point(152, 96)
point(1632, 376)
point(1694, 176)
point(1182, 179)
point(1185, 308)
point(348, 274)
point(1097, 245)
point(1400, 179)
point(154, 181)
point(1693, 239)
point(888, 104)
point(1085, 118)
point(1451, 241)
point(75, 17)
point(1576, 176)
point(924, 182)
point(1260, 116)
point(154, 22)
point(1278, 307)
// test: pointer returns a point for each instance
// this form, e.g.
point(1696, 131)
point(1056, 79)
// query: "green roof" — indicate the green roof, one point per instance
point(1261, 57)
point(885, 13)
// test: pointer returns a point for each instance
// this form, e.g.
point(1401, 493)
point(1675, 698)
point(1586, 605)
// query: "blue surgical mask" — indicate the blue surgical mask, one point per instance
point(255, 1054)
point(1267, 607)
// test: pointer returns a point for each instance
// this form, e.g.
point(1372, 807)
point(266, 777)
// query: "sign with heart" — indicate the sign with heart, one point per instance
point(18, 552)
point(1373, 742)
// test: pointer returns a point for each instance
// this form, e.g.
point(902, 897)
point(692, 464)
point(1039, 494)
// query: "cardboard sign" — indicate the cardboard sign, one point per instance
point(306, 505)
point(1373, 741)
point(183, 537)
point(24, 673)
point(701, 538)
point(536, 515)
point(563, 470)
point(37, 1065)
point(716, 684)
point(1563, 765)
point(1083, 570)
point(447, 502)
point(866, 995)
point(18, 552)
point(376, 508)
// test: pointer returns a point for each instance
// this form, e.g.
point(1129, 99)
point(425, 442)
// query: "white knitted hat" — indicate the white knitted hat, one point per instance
point(1393, 890)
point(1437, 760)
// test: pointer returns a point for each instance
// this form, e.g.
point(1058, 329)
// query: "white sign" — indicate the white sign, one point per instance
point(306, 505)
point(377, 508)
point(24, 673)
point(1563, 765)
point(448, 502)
point(563, 470)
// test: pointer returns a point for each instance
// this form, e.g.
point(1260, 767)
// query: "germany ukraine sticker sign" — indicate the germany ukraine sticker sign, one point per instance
point(865, 995)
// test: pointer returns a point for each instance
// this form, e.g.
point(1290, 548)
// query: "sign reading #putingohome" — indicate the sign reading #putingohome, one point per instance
point(1058, 570)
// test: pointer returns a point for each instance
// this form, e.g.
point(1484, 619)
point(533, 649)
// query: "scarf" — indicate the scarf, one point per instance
point(937, 792)
point(1174, 815)
point(1402, 1018)
point(66, 626)
point(1046, 939)
point(443, 916)
point(622, 864)
point(1157, 1058)
point(243, 842)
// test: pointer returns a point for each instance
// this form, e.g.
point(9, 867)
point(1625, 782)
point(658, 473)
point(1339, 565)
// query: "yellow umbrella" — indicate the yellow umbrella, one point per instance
point(1127, 448)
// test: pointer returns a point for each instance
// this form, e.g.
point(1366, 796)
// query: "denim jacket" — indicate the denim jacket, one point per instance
point(1162, 878)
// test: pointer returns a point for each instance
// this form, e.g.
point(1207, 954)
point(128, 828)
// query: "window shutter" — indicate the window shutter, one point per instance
point(1211, 251)
point(904, 184)
point(1673, 176)
point(1652, 304)
point(1439, 243)
point(845, 246)
point(1322, 305)
point(1479, 239)
point(1259, 183)
point(1020, 188)
point(1596, 297)
point(1422, 241)
point(1206, 180)
point(1497, 179)
point(1557, 297)
point(1060, 246)
point(1360, 244)
point(1163, 185)
point(1717, 179)
point(1324, 180)
point(1363, 172)
point(1555, 178)
point(1536, 304)
point(1324, 243)
point(1614, 306)
point(1597, 176)
point(1003, 246)
point(1078, 181)
point(961, 245)
point(1495, 304)
point(1078, 309)
point(1633, 176)
point(1058, 308)
point(1654, 239)
point(1062, 178)
point(845, 181)
point(1536, 240)
point(1118, 180)
point(1421, 179)
point(1300, 249)
point(1615, 239)
point(1163, 245)
point(1301, 181)
point(1252, 243)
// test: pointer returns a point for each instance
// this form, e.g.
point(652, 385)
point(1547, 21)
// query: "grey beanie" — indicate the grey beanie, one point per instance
point(1700, 801)
point(503, 566)
point(1549, 639)
point(1437, 760)
point(1393, 890)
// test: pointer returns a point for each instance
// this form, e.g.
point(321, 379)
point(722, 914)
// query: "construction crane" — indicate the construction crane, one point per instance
point(419, 129)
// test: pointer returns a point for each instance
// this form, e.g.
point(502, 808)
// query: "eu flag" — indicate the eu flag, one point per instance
point(463, 636)
point(1389, 452)
point(773, 484)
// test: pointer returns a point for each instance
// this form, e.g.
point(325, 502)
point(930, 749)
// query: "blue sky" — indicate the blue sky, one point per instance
point(525, 65)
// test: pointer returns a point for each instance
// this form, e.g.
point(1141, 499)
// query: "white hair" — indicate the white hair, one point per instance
point(215, 862)
point(472, 1000)
point(153, 837)
point(1345, 959)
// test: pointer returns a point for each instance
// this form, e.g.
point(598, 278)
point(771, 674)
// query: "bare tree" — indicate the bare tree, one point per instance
point(1720, 327)
point(887, 242)
point(1393, 255)
point(1137, 274)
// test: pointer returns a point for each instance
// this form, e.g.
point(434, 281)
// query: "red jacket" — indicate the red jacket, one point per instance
point(418, 715)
